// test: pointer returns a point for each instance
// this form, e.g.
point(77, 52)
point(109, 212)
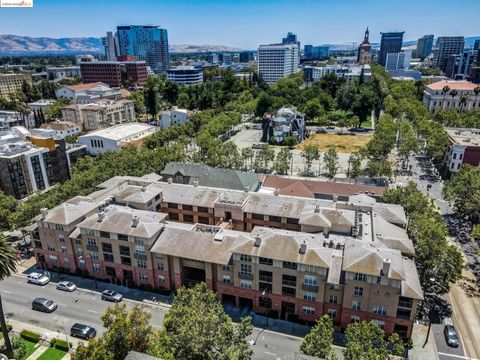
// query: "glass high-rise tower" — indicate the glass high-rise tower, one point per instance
point(391, 43)
point(148, 43)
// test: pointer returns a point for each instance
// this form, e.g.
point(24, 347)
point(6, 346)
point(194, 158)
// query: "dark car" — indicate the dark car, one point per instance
point(82, 331)
point(320, 130)
point(45, 305)
point(451, 336)
point(110, 295)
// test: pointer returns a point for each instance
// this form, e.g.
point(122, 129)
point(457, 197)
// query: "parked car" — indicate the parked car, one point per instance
point(38, 279)
point(256, 146)
point(320, 130)
point(45, 305)
point(82, 331)
point(66, 286)
point(330, 127)
point(451, 336)
point(110, 295)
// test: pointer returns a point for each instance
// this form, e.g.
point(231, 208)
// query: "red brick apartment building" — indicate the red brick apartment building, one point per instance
point(294, 257)
point(114, 73)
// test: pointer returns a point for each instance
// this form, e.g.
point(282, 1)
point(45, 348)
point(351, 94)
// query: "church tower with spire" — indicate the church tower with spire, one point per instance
point(365, 50)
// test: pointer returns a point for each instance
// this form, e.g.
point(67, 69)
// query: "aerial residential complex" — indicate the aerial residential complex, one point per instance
point(348, 259)
point(277, 61)
point(10, 83)
point(460, 95)
point(464, 149)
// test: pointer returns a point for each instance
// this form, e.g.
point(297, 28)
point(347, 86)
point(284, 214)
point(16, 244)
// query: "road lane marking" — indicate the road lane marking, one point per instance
point(92, 311)
point(269, 353)
point(457, 356)
point(7, 292)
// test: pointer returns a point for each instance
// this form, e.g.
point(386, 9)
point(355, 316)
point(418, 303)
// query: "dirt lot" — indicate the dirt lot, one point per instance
point(343, 143)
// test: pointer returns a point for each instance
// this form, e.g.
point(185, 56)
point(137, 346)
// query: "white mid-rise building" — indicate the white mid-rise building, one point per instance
point(277, 61)
point(116, 137)
point(88, 93)
point(185, 75)
point(347, 71)
point(448, 94)
point(173, 117)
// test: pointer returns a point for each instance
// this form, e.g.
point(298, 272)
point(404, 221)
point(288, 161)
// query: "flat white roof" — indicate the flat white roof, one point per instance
point(121, 131)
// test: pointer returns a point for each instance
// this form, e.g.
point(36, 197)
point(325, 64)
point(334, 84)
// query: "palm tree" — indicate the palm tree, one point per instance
point(445, 90)
point(453, 93)
point(8, 264)
point(463, 102)
point(476, 91)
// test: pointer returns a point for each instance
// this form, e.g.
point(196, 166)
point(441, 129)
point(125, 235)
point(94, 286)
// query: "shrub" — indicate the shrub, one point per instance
point(9, 328)
point(19, 348)
point(60, 344)
point(30, 336)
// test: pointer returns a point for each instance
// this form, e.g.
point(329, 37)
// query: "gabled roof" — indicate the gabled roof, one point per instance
point(452, 84)
point(392, 236)
point(82, 87)
point(393, 213)
point(411, 287)
point(69, 212)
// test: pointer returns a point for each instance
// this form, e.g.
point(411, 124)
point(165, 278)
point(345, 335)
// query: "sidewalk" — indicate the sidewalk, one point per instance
point(418, 352)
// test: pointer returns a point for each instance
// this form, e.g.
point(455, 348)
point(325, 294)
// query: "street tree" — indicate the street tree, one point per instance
point(290, 141)
point(331, 162)
point(407, 141)
point(282, 161)
point(197, 328)
point(309, 153)
point(247, 156)
point(8, 265)
point(318, 342)
point(263, 157)
point(354, 165)
point(365, 340)
point(264, 104)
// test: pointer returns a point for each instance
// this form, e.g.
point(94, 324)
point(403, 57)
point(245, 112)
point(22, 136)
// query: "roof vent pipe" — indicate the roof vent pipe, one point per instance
point(258, 240)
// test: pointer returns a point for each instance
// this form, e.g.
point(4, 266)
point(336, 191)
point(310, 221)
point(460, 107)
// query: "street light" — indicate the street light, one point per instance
point(264, 293)
point(431, 311)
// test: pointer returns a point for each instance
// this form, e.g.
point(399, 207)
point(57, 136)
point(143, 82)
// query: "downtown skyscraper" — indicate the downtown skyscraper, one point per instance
point(391, 42)
point(148, 43)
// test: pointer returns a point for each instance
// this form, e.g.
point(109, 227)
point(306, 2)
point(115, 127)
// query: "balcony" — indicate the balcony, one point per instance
point(289, 283)
point(312, 288)
point(245, 276)
point(140, 256)
point(92, 247)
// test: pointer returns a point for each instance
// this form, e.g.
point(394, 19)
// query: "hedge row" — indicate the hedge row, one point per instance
point(30, 336)
point(60, 344)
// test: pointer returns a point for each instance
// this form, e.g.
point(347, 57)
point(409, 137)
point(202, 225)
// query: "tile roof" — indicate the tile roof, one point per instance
point(452, 84)
point(70, 211)
point(88, 86)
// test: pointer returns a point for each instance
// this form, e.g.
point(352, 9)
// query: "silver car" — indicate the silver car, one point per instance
point(110, 295)
point(66, 286)
point(38, 279)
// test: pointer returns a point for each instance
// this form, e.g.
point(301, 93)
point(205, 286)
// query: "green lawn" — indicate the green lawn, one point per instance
point(30, 348)
point(52, 354)
point(368, 123)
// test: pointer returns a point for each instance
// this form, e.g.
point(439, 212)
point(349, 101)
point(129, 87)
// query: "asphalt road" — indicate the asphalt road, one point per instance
point(86, 306)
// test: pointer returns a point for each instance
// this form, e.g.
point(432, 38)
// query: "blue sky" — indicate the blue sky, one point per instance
point(246, 23)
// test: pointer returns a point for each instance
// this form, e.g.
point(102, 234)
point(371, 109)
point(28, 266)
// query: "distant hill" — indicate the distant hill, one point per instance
point(25, 45)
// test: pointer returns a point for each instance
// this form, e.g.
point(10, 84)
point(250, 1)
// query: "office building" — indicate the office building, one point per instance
point(145, 43)
point(227, 59)
point(277, 61)
point(349, 72)
point(350, 260)
point(398, 61)
point(391, 42)
point(457, 66)
point(459, 95)
point(57, 73)
point(307, 52)
point(87, 93)
point(246, 56)
point(186, 75)
point(365, 50)
point(115, 73)
point(291, 38)
point(42, 104)
point(116, 137)
point(173, 117)
point(424, 46)
point(464, 149)
point(10, 83)
point(110, 45)
point(446, 46)
point(100, 114)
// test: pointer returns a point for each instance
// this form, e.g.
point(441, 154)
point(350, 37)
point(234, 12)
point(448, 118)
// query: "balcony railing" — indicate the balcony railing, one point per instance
point(140, 256)
point(92, 247)
point(308, 287)
point(245, 276)
point(289, 283)
point(265, 278)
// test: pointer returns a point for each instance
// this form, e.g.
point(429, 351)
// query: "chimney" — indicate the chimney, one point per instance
point(135, 221)
point(386, 267)
point(101, 216)
point(170, 180)
point(335, 197)
point(246, 188)
point(144, 189)
point(44, 212)
point(317, 209)
point(258, 240)
point(276, 191)
point(303, 247)
point(195, 182)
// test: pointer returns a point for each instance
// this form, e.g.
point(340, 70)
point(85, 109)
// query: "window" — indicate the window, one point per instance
point(310, 310)
point(91, 242)
point(51, 247)
point(94, 255)
point(53, 259)
point(310, 268)
point(105, 234)
point(332, 313)
point(61, 237)
point(124, 250)
point(226, 268)
point(292, 221)
point(187, 207)
point(66, 261)
point(405, 302)
point(381, 324)
point(265, 302)
point(263, 286)
point(96, 267)
point(245, 269)
point(354, 319)
point(333, 299)
point(289, 265)
point(265, 276)
point(454, 156)
point(202, 209)
point(310, 296)
point(172, 216)
point(79, 252)
point(460, 157)
point(141, 264)
point(275, 218)
point(82, 262)
point(289, 291)
point(226, 279)
point(107, 247)
point(126, 260)
point(161, 279)
point(379, 310)
point(143, 276)
point(360, 277)
point(289, 280)
point(246, 258)
point(358, 291)
point(334, 287)
point(140, 249)
point(310, 280)
point(108, 257)
point(64, 249)
point(203, 220)
point(257, 216)
point(122, 237)
point(246, 284)
point(265, 261)
point(172, 206)
point(78, 241)
point(188, 218)
point(160, 266)
point(356, 305)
